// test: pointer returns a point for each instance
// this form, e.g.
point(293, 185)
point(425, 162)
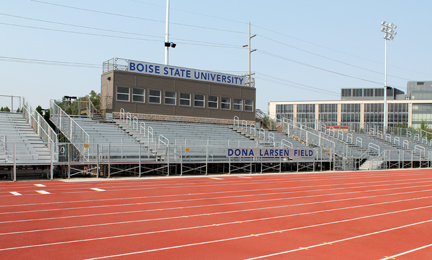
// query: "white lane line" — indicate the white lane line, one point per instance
point(216, 178)
point(231, 191)
point(266, 233)
point(16, 193)
point(236, 222)
point(42, 192)
point(256, 183)
point(244, 210)
point(339, 240)
point(39, 185)
point(244, 202)
point(97, 189)
point(406, 252)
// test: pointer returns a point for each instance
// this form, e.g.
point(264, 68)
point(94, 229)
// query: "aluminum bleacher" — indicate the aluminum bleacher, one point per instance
point(21, 143)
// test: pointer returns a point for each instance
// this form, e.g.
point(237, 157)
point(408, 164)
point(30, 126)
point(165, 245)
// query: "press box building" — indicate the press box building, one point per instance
point(362, 108)
point(155, 91)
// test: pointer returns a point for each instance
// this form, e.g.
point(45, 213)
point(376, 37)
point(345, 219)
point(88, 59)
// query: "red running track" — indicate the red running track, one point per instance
point(349, 215)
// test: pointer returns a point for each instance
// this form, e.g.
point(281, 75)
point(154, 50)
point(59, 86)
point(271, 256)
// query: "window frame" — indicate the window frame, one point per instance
point(152, 96)
point(122, 93)
point(226, 101)
point(213, 102)
point(138, 95)
point(185, 99)
point(199, 100)
point(238, 104)
point(247, 105)
point(170, 98)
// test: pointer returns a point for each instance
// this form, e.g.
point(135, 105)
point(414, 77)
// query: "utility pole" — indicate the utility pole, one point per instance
point(249, 55)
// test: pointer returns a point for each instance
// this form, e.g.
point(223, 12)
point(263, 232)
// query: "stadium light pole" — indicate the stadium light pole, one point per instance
point(389, 30)
point(167, 33)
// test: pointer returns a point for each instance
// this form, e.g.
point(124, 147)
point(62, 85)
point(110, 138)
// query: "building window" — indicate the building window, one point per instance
point(199, 100)
point(248, 105)
point(226, 103)
point(122, 94)
point(368, 92)
point(155, 96)
point(346, 92)
point(170, 98)
point(379, 92)
point(212, 102)
point(238, 104)
point(185, 99)
point(357, 92)
point(138, 95)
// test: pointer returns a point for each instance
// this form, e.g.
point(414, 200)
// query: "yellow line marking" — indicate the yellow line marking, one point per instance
point(39, 185)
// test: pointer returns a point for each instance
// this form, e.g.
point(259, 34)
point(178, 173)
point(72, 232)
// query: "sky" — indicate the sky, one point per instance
point(305, 50)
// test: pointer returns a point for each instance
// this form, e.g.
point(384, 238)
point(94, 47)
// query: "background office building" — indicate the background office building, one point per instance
point(363, 108)
point(175, 93)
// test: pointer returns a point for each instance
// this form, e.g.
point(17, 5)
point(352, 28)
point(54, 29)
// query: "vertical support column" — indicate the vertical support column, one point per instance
point(109, 160)
point(139, 160)
point(362, 116)
point(68, 159)
point(206, 160)
point(52, 162)
point(97, 160)
point(14, 165)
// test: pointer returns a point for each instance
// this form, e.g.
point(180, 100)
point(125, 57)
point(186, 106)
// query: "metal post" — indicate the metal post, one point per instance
point(68, 160)
point(52, 163)
point(181, 160)
point(97, 161)
point(14, 165)
point(167, 33)
point(139, 160)
point(109, 160)
point(385, 90)
point(206, 160)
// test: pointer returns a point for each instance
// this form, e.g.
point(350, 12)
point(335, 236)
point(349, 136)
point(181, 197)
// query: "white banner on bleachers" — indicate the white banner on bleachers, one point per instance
point(269, 152)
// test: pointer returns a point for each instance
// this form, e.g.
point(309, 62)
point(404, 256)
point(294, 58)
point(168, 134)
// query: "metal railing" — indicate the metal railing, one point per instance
point(71, 130)
point(40, 125)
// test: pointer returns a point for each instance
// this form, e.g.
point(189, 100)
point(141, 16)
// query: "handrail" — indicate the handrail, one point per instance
point(340, 135)
point(150, 133)
point(135, 123)
point(71, 130)
point(244, 124)
point(421, 149)
point(416, 136)
point(261, 132)
point(286, 143)
point(425, 140)
point(271, 136)
point(349, 137)
point(405, 142)
point(396, 140)
point(47, 135)
point(122, 114)
point(236, 119)
point(372, 146)
point(252, 129)
point(129, 117)
point(142, 127)
point(359, 140)
point(162, 139)
point(388, 136)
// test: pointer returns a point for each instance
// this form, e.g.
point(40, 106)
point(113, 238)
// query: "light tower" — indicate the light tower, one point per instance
point(389, 30)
